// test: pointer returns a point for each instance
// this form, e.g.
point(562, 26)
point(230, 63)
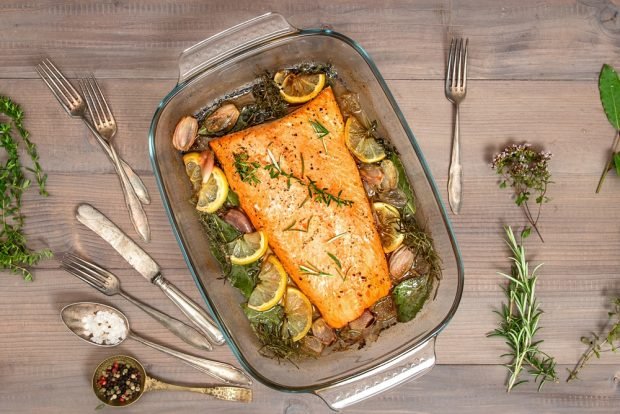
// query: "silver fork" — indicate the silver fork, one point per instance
point(107, 128)
point(456, 89)
point(109, 284)
point(134, 179)
point(74, 105)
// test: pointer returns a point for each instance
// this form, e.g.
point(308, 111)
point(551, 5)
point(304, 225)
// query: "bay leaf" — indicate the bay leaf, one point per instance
point(609, 88)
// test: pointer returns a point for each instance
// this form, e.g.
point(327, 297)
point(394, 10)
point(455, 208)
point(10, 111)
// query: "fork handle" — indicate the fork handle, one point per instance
point(136, 212)
point(455, 178)
point(188, 334)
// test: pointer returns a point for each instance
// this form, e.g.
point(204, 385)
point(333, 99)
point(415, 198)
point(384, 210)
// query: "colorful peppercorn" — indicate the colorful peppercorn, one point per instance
point(119, 381)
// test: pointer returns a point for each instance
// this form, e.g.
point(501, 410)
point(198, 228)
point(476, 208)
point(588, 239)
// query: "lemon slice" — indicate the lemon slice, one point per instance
point(298, 311)
point(388, 218)
point(299, 88)
point(271, 285)
point(248, 248)
point(361, 142)
point(192, 168)
point(213, 193)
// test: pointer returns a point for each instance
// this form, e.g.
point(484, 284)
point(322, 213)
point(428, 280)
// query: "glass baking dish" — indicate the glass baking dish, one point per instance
point(228, 61)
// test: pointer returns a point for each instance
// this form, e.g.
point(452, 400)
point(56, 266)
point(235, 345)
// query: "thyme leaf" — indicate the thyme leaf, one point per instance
point(310, 269)
point(337, 236)
point(596, 344)
point(335, 259)
point(15, 256)
point(520, 317)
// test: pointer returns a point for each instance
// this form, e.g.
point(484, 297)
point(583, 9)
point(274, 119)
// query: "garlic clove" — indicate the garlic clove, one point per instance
point(185, 133)
point(222, 119)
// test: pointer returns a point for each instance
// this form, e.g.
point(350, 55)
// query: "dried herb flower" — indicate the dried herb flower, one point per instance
point(527, 172)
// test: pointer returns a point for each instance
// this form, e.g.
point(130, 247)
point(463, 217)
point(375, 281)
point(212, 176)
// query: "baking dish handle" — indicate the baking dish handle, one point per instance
point(408, 366)
point(230, 42)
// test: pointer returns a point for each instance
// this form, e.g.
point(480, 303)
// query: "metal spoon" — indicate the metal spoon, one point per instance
point(72, 317)
point(147, 383)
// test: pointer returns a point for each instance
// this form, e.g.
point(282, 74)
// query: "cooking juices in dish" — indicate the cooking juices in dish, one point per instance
point(309, 212)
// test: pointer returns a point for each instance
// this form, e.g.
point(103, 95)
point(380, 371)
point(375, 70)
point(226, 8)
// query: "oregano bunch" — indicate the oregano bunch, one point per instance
point(527, 172)
point(15, 256)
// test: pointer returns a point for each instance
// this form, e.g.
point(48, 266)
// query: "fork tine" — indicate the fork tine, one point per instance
point(83, 276)
point(99, 94)
point(459, 79)
point(454, 63)
point(92, 266)
point(61, 82)
point(95, 98)
point(448, 77)
point(84, 266)
point(61, 99)
point(465, 65)
point(92, 109)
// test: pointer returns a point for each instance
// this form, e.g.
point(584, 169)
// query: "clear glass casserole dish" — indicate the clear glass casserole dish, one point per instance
point(228, 61)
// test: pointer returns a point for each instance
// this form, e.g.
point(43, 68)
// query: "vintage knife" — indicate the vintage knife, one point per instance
point(147, 267)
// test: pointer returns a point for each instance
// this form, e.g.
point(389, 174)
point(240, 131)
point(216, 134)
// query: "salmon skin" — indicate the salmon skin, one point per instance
point(329, 246)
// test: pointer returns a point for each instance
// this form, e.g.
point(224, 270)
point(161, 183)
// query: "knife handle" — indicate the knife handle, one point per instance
point(193, 312)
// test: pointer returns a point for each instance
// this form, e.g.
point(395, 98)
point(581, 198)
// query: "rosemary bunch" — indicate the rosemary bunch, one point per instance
point(15, 256)
point(597, 345)
point(519, 322)
point(527, 172)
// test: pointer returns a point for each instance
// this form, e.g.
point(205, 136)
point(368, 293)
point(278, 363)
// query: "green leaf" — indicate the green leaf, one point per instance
point(526, 233)
point(409, 297)
point(403, 185)
point(244, 277)
point(617, 162)
point(609, 89)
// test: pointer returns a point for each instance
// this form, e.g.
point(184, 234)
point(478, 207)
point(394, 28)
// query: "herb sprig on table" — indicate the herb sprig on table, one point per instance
point(15, 256)
point(609, 89)
point(519, 323)
point(610, 341)
point(526, 171)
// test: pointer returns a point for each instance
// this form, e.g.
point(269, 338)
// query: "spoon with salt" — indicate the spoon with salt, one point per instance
point(106, 326)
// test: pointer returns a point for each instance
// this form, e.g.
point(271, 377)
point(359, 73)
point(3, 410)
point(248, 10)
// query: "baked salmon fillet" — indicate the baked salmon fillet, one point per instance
point(308, 197)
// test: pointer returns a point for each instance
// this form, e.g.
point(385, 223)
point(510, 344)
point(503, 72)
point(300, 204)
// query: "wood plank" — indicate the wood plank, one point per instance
point(562, 39)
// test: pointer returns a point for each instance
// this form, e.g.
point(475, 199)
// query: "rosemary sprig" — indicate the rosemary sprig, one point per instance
point(337, 236)
point(300, 229)
point(597, 345)
point(245, 168)
point(320, 131)
point(15, 256)
point(310, 269)
point(519, 322)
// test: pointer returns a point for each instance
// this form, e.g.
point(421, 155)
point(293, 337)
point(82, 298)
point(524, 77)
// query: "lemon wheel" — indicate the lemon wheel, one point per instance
point(248, 248)
point(192, 168)
point(388, 219)
point(213, 193)
point(298, 89)
point(361, 142)
point(298, 311)
point(271, 285)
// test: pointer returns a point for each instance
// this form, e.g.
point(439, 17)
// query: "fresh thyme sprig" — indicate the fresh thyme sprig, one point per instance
point(597, 345)
point(15, 256)
point(527, 172)
point(519, 322)
point(320, 131)
point(245, 168)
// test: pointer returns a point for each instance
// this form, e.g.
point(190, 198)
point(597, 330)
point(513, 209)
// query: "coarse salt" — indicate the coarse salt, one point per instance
point(104, 327)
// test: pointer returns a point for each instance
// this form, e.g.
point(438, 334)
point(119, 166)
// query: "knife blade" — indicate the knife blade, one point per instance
point(148, 268)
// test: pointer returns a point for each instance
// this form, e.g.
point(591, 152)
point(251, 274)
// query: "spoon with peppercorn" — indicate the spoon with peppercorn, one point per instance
point(121, 380)
point(106, 326)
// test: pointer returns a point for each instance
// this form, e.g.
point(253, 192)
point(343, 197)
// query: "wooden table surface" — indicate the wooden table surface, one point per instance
point(532, 77)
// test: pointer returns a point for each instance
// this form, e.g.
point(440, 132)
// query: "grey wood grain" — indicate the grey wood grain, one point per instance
point(533, 77)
